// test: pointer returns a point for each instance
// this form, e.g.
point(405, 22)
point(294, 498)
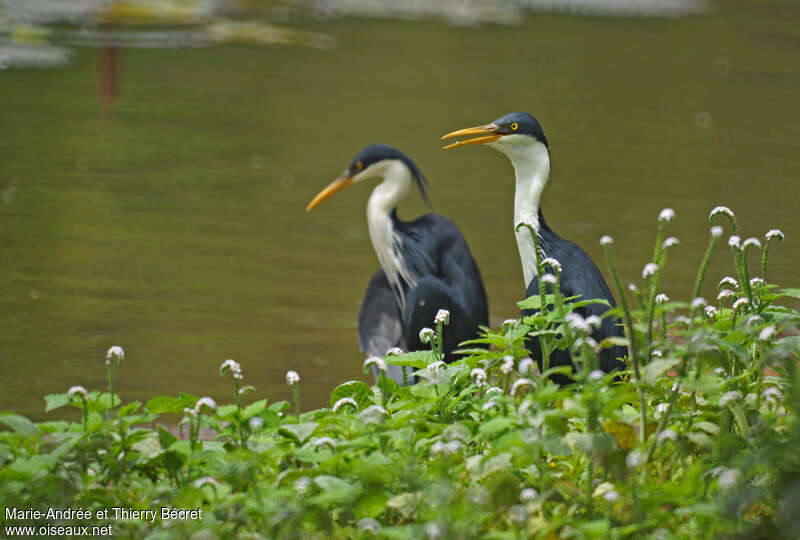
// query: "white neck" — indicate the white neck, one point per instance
point(384, 198)
point(531, 161)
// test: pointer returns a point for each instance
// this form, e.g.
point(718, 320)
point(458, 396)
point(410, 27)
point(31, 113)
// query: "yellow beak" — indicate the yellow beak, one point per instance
point(337, 185)
point(490, 133)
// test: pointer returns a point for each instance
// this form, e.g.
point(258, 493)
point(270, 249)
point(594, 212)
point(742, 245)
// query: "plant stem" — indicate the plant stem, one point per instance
point(701, 272)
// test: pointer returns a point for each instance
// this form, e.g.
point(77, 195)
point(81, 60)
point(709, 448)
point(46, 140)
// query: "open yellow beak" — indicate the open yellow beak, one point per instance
point(337, 185)
point(490, 133)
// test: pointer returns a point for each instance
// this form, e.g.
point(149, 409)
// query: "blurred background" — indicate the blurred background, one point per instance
point(156, 158)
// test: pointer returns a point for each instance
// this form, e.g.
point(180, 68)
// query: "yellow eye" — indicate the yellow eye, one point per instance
point(514, 126)
point(359, 165)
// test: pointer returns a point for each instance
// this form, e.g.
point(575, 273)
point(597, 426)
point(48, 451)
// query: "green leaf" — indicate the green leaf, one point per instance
point(709, 427)
point(299, 432)
point(165, 437)
point(254, 408)
point(335, 490)
point(496, 425)
point(700, 439)
point(535, 302)
point(741, 419)
point(54, 401)
point(20, 424)
point(171, 405)
point(370, 504)
point(414, 359)
point(356, 390)
point(658, 367)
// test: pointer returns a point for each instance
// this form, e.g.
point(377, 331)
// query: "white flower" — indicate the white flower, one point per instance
point(368, 524)
point(204, 402)
point(448, 448)
point(632, 287)
point(376, 361)
point(507, 365)
point(255, 423)
point(774, 233)
point(606, 240)
point(657, 353)
point(666, 215)
point(767, 333)
point(724, 293)
point(373, 410)
point(611, 496)
point(187, 410)
point(701, 400)
point(528, 494)
point(594, 320)
point(716, 231)
point(489, 404)
point(721, 372)
point(683, 320)
point(739, 303)
point(726, 398)
point(634, 459)
point(479, 374)
point(772, 394)
point(509, 322)
point(549, 279)
point(662, 407)
point(587, 340)
point(525, 408)
point(669, 242)
point(433, 367)
point(698, 302)
point(434, 531)
point(735, 242)
point(756, 281)
point(319, 441)
point(721, 210)
point(115, 352)
point(345, 401)
point(442, 317)
point(553, 263)
point(728, 478)
point(662, 298)
point(494, 389)
point(210, 480)
point(596, 375)
point(292, 378)
point(751, 242)
point(426, 335)
point(302, 484)
point(525, 366)
point(728, 280)
point(752, 319)
point(78, 390)
point(711, 312)
point(518, 383)
point(576, 321)
point(649, 269)
point(667, 435)
point(394, 351)
point(236, 369)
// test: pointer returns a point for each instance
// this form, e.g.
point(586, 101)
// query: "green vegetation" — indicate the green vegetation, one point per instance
point(697, 440)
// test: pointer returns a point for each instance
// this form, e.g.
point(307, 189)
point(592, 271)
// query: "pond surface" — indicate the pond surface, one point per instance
point(177, 229)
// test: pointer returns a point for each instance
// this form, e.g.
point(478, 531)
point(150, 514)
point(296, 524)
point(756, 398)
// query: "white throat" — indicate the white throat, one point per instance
point(531, 161)
point(397, 180)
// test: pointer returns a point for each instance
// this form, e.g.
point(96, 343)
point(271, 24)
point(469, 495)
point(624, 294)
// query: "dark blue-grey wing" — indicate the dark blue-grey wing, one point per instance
point(380, 324)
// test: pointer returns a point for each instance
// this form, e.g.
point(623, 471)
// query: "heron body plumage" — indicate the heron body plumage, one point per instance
point(426, 264)
point(520, 137)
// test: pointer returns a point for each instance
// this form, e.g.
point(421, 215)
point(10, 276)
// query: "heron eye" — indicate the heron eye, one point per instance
point(359, 165)
point(514, 126)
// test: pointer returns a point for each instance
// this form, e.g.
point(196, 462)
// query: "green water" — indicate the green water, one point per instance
point(177, 229)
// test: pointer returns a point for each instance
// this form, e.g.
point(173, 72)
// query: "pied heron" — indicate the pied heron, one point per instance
point(426, 264)
point(520, 137)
